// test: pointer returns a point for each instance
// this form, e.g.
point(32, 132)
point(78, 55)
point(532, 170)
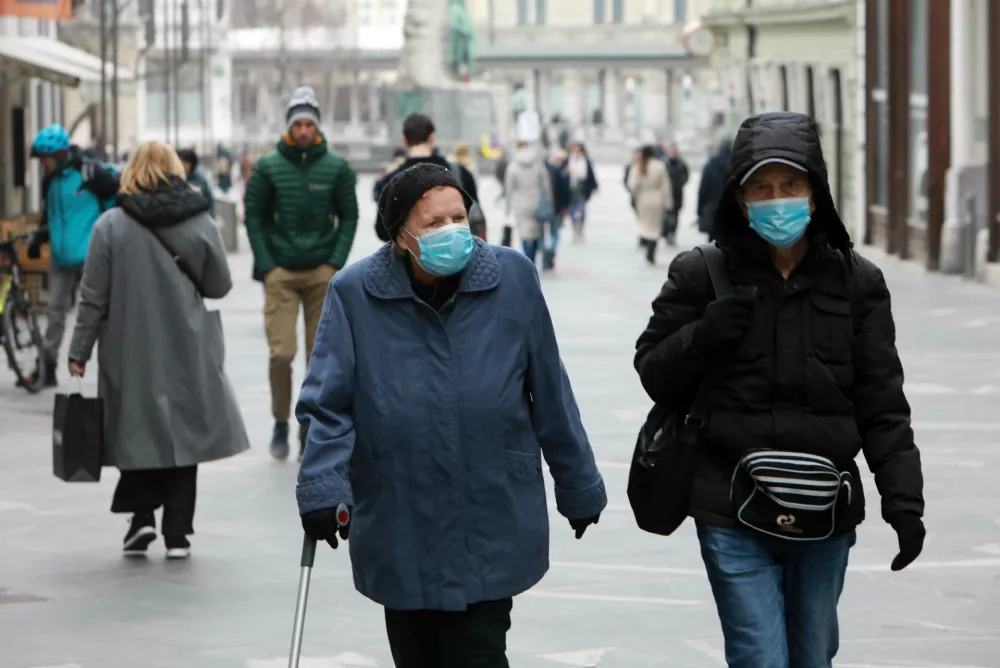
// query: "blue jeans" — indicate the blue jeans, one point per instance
point(776, 599)
point(531, 249)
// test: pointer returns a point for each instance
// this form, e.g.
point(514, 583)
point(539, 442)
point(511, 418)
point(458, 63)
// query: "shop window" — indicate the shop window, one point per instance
point(618, 11)
point(522, 12)
point(680, 11)
point(599, 11)
point(783, 79)
point(810, 91)
point(541, 12)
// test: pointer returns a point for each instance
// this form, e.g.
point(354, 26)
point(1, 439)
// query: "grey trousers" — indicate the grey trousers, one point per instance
point(63, 282)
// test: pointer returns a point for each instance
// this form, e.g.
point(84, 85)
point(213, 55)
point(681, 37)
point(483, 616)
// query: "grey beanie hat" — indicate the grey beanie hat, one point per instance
point(303, 106)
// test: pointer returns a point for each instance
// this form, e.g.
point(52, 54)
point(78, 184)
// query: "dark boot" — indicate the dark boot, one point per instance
point(548, 260)
point(279, 441)
point(140, 534)
point(651, 251)
point(50, 373)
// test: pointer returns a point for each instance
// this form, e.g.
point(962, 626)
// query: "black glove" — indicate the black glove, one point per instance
point(910, 530)
point(726, 322)
point(580, 526)
point(323, 524)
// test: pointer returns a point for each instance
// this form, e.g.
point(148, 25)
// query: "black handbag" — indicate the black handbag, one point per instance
point(77, 438)
point(667, 449)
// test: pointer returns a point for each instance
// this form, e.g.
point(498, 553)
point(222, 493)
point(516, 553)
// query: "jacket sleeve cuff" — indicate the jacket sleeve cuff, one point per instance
point(578, 504)
point(326, 492)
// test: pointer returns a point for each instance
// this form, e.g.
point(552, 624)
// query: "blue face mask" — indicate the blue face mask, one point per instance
point(446, 250)
point(780, 222)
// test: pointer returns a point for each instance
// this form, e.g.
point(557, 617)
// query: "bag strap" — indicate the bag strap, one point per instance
point(177, 262)
point(715, 262)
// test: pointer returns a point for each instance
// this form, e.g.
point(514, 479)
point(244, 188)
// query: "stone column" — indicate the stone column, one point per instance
point(612, 103)
point(966, 74)
point(574, 97)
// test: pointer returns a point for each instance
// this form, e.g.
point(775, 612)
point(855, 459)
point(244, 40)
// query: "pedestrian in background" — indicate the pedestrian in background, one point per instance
point(397, 159)
point(713, 179)
point(168, 405)
point(650, 186)
point(679, 175)
point(195, 177)
point(75, 192)
point(435, 389)
point(301, 217)
point(805, 376)
point(529, 191)
point(420, 136)
point(583, 184)
point(560, 204)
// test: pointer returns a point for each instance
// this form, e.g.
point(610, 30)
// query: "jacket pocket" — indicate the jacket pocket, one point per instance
point(832, 333)
point(523, 467)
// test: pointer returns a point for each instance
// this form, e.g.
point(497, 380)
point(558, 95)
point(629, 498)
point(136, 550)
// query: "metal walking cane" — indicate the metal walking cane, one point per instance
point(308, 557)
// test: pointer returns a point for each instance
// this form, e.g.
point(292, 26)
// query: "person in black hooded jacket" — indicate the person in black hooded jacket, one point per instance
point(419, 135)
point(803, 359)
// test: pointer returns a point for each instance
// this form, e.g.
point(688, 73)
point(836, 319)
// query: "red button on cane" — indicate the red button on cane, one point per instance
point(343, 515)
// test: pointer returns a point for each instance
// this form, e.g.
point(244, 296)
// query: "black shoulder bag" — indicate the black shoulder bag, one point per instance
point(666, 452)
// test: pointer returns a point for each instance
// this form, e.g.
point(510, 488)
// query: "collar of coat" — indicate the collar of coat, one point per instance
point(386, 278)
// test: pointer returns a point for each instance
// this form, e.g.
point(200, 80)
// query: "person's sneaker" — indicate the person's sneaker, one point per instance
point(279, 441)
point(178, 547)
point(140, 534)
point(303, 437)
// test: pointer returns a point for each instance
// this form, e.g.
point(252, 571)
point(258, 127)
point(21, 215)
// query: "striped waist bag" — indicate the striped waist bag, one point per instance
point(789, 495)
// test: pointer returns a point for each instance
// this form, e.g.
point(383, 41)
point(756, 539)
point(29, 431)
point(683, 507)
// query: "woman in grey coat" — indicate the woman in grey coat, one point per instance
point(527, 184)
point(168, 405)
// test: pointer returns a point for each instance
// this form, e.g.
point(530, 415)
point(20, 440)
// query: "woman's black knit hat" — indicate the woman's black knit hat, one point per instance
point(404, 189)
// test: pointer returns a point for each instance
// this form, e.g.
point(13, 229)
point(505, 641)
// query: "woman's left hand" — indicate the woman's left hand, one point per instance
point(77, 369)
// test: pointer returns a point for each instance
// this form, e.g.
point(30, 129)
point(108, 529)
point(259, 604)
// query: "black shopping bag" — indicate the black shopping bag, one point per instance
point(77, 438)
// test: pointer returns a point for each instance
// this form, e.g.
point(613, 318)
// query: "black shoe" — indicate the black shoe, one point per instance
point(303, 437)
point(279, 441)
point(178, 547)
point(50, 374)
point(140, 534)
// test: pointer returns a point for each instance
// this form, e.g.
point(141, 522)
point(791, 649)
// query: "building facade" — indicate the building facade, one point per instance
point(186, 72)
point(798, 55)
point(932, 96)
point(41, 80)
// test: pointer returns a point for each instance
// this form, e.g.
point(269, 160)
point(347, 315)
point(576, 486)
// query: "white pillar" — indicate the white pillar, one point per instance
point(966, 74)
point(574, 97)
point(612, 105)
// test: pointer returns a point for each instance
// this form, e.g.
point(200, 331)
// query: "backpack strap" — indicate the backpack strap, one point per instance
point(715, 261)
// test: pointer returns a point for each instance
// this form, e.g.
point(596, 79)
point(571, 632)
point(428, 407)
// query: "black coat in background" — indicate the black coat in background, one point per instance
point(818, 371)
point(468, 182)
point(713, 179)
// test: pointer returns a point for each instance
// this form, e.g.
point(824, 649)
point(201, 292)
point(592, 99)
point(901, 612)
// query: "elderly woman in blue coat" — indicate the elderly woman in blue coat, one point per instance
point(434, 392)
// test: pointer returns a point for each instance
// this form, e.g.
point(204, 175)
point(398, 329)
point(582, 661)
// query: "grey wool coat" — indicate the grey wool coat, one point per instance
point(167, 400)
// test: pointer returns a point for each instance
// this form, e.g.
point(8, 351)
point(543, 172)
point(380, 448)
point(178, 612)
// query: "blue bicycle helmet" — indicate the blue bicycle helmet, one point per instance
point(50, 140)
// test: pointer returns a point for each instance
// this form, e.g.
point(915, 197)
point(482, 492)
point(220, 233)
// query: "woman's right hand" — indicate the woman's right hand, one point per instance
point(77, 369)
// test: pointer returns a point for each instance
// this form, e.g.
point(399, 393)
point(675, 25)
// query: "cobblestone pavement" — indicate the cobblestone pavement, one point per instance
point(617, 598)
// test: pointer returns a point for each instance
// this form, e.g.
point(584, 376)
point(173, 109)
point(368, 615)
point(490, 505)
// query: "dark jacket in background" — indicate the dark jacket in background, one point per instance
point(678, 171)
point(818, 371)
point(198, 180)
point(561, 194)
point(713, 178)
point(468, 184)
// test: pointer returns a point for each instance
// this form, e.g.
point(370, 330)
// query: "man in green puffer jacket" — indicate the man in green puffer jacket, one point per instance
point(301, 216)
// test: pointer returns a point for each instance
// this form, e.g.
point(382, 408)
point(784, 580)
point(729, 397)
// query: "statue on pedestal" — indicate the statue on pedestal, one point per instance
point(438, 46)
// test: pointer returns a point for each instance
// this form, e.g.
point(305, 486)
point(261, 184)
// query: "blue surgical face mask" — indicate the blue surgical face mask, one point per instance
point(780, 222)
point(446, 250)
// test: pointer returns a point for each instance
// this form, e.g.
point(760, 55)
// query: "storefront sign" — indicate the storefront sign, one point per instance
point(51, 10)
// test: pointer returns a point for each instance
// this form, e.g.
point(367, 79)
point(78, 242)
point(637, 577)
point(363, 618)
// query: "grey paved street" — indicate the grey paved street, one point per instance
point(616, 599)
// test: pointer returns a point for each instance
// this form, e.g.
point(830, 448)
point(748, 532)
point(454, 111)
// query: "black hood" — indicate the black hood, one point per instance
point(790, 136)
point(171, 203)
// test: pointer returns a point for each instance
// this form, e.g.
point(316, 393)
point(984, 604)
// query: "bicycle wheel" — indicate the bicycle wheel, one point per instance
point(22, 340)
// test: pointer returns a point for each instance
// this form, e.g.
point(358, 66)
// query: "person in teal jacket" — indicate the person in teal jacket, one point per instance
point(75, 192)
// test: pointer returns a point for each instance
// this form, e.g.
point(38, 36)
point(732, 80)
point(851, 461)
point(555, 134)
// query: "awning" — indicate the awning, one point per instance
point(55, 61)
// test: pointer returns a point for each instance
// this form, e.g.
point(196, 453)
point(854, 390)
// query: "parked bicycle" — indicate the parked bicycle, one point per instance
point(19, 331)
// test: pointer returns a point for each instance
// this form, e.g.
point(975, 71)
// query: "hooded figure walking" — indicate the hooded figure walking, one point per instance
point(806, 376)
point(434, 392)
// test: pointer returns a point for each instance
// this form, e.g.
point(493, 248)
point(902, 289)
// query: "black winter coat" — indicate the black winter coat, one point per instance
point(818, 371)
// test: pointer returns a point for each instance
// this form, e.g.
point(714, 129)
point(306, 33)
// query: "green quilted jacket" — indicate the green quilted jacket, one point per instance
point(301, 209)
